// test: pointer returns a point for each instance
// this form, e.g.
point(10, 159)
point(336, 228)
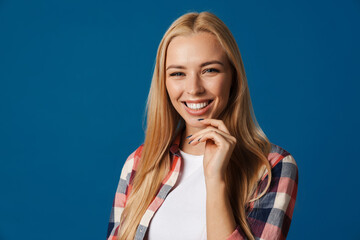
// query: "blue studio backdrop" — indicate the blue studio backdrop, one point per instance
point(74, 78)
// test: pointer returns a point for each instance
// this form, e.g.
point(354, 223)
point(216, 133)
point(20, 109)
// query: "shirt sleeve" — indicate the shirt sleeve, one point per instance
point(119, 201)
point(270, 216)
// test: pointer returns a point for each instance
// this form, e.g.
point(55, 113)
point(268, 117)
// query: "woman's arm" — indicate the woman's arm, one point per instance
point(220, 220)
point(270, 216)
point(124, 186)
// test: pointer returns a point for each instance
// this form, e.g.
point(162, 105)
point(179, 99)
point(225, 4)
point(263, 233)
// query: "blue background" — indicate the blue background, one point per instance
point(74, 77)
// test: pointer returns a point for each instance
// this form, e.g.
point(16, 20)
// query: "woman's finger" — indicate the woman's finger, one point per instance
point(216, 137)
point(197, 135)
point(215, 123)
point(200, 136)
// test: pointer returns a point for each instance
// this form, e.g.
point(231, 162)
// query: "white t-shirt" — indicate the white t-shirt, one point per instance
point(182, 215)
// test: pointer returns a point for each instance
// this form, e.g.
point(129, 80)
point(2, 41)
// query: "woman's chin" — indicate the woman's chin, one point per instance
point(195, 123)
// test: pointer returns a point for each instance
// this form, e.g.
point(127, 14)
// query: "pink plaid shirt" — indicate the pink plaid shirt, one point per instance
point(268, 218)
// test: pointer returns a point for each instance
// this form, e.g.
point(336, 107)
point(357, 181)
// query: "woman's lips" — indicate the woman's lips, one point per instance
point(197, 112)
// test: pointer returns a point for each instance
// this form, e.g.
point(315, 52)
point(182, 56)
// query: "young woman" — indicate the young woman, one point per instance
point(206, 170)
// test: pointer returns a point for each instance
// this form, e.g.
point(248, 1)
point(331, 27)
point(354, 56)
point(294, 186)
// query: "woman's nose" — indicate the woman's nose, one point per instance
point(194, 85)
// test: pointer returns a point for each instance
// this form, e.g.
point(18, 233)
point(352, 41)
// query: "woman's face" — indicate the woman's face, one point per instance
point(198, 77)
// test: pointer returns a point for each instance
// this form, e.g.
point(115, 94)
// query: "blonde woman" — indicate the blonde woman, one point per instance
point(206, 170)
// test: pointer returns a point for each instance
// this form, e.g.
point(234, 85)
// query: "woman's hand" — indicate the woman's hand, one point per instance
point(218, 148)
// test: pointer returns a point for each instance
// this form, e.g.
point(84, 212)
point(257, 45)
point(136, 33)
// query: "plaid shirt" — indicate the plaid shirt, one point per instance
point(268, 218)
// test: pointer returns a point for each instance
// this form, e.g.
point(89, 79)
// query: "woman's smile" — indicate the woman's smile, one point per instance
point(197, 108)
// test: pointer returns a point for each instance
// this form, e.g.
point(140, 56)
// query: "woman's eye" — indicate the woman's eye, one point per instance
point(177, 74)
point(210, 70)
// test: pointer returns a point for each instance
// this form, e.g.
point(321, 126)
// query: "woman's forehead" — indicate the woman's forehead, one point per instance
point(195, 48)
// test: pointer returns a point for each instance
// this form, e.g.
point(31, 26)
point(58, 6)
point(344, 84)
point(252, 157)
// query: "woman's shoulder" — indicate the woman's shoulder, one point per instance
point(132, 160)
point(278, 154)
point(135, 155)
point(282, 162)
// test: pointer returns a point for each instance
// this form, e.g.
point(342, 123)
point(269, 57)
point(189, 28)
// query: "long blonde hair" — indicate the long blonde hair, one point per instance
point(249, 158)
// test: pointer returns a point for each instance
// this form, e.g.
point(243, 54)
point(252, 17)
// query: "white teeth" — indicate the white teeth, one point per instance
point(197, 106)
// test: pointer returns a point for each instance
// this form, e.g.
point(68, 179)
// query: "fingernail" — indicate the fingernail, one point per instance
point(191, 141)
point(200, 119)
point(188, 136)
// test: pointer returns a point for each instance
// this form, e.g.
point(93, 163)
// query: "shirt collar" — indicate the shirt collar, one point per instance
point(175, 145)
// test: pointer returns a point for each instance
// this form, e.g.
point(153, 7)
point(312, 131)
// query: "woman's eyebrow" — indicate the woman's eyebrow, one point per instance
point(211, 62)
point(175, 66)
point(202, 65)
